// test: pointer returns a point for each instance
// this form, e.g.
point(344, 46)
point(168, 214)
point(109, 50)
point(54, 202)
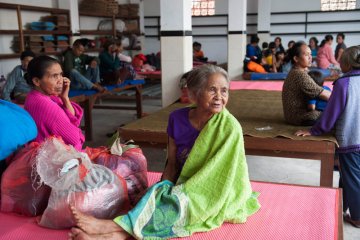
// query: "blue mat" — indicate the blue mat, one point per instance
point(267, 76)
point(74, 93)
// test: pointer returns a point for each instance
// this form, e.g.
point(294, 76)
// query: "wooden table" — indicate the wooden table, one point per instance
point(151, 130)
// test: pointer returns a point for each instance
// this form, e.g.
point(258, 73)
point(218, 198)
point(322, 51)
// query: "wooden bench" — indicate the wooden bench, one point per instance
point(87, 99)
point(252, 112)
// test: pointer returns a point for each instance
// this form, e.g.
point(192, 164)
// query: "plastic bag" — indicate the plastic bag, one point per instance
point(91, 188)
point(21, 191)
point(130, 164)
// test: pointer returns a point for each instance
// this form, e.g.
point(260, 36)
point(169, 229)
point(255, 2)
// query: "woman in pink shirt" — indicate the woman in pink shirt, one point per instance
point(325, 57)
point(49, 105)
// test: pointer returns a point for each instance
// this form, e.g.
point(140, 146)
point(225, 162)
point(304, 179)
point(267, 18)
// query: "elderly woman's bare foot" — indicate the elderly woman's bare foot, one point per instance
point(92, 225)
point(78, 234)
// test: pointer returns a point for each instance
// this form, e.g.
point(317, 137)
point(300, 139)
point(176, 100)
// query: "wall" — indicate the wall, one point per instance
point(8, 21)
point(216, 47)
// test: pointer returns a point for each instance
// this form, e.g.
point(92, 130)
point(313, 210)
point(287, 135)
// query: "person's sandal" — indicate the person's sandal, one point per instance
point(348, 219)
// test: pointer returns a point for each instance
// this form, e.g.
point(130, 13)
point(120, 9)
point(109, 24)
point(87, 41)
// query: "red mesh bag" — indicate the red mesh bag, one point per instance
point(131, 165)
point(21, 191)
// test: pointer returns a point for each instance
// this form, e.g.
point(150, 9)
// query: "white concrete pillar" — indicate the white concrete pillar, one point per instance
point(264, 20)
point(176, 46)
point(72, 5)
point(236, 37)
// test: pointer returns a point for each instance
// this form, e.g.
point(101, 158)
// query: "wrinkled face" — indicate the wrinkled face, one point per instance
point(25, 62)
point(52, 81)
point(215, 96)
point(339, 39)
point(304, 59)
point(78, 50)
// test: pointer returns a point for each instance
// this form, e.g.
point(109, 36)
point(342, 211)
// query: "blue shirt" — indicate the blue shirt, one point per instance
point(254, 53)
point(17, 128)
point(320, 104)
point(15, 83)
point(314, 52)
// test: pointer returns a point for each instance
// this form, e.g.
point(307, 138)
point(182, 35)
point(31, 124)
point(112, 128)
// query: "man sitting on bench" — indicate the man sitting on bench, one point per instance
point(75, 69)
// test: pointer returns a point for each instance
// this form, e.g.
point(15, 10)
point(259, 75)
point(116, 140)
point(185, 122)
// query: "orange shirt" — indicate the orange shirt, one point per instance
point(199, 54)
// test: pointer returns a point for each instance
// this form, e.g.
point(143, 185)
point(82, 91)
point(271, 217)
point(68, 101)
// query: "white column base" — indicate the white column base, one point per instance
point(236, 55)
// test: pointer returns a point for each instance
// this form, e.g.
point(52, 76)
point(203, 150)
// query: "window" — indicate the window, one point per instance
point(335, 5)
point(203, 7)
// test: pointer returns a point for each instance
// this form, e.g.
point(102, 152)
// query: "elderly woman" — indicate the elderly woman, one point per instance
point(299, 87)
point(343, 114)
point(49, 105)
point(206, 165)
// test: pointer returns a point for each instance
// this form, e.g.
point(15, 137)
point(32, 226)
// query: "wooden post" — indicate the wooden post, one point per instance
point(21, 34)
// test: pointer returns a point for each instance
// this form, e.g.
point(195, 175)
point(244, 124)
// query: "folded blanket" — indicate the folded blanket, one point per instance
point(213, 188)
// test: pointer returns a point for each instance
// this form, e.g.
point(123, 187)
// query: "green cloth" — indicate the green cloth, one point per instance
point(213, 188)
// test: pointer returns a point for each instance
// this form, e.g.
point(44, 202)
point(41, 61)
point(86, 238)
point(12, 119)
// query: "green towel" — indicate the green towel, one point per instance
point(213, 188)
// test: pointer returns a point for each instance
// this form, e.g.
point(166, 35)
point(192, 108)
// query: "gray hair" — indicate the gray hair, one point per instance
point(197, 79)
point(351, 57)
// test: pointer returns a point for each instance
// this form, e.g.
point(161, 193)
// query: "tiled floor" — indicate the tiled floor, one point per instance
point(284, 170)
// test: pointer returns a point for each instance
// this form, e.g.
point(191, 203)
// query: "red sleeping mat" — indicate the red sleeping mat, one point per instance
point(287, 212)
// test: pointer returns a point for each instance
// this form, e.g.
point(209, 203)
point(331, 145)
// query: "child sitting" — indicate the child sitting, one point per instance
point(198, 55)
point(317, 103)
point(277, 65)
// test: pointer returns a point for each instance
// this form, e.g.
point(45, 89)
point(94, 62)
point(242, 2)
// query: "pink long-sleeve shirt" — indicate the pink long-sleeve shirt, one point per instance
point(325, 57)
point(52, 118)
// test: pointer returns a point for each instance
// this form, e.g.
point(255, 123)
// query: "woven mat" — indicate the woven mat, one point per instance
point(259, 113)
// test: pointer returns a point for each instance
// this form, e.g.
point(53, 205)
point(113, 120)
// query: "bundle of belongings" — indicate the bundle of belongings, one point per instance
point(44, 179)
point(148, 63)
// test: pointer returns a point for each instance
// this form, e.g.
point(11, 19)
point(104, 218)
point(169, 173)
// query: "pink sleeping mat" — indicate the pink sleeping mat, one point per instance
point(287, 212)
point(262, 85)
